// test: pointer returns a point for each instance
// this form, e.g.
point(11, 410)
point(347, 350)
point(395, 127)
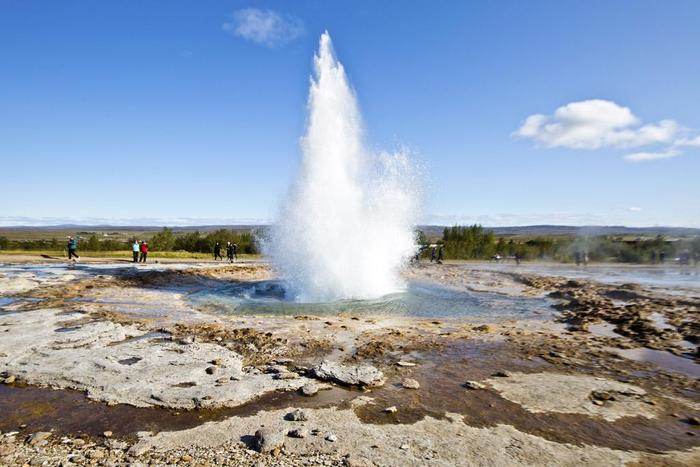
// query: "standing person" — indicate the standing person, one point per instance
point(229, 252)
point(144, 251)
point(433, 254)
point(217, 251)
point(235, 252)
point(72, 248)
point(440, 255)
point(135, 248)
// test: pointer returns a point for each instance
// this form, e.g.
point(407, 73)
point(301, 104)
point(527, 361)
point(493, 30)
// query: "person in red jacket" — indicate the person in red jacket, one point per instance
point(144, 251)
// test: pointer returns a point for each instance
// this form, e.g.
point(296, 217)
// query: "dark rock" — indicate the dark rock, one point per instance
point(296, 416)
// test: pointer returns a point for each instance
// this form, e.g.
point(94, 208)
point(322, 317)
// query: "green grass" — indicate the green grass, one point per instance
point(121, 254)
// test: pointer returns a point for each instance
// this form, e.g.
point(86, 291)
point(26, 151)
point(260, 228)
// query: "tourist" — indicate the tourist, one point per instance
point(135, 248)
point(235, 251)
point(144, 251)
point(72, 248)
point(229, 252)
point(217, 251)
point(440, 255)
point(433, 254)
point(662, 257)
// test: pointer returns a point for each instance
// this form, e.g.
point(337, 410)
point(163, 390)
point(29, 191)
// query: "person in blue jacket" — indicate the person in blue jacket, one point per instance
point(72, 248)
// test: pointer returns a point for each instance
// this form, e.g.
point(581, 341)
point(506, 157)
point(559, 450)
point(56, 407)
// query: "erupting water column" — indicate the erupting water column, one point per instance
point(345, 229)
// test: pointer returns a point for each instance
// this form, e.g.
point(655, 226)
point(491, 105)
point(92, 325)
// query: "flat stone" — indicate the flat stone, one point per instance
point(309, 390)
point(360, 375)
point(410, 383)
point(39, 437)
point(405, 364)
point(474, 385)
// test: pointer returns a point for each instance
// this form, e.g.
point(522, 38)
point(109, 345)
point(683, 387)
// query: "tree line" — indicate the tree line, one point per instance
point(476, 242)
point(165, 240)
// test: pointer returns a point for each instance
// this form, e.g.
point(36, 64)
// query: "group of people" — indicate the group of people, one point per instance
point(231, 252)
point(140, 251)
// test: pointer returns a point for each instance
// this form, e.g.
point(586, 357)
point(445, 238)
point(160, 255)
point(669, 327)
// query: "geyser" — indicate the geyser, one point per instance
point(346, 228)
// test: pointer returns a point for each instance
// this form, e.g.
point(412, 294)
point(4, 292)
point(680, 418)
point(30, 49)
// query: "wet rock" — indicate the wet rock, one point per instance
point(485, 328)
point(211, 370)
point(331, 437)
point(474, 385)
point(360, 375)
point(296, 416)
point(267, 440)
point(309, 390)
point(405, 364)
point(693, 421)
point(39, 438)
point(298, 433)
point(503, 374)
point(410, 383)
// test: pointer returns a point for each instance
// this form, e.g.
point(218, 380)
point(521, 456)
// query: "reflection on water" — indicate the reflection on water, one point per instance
point(419, 299)
point(662, 359)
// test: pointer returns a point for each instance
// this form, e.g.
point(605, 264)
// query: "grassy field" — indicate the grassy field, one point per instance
point(118, 254)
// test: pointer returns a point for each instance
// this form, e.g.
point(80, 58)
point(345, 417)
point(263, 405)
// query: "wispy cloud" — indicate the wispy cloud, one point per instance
point(635, 209)
point(651, 156)
point(598, 124)
point(264, 27)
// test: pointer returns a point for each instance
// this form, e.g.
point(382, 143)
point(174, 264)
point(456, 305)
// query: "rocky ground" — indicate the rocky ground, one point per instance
point(118, 367)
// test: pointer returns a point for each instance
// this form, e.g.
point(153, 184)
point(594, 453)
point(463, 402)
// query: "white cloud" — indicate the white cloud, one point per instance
point(264, 27)
point(599, 123)
point(635, 209)
point(689, 141)
point(595, 124)
point(651, 156)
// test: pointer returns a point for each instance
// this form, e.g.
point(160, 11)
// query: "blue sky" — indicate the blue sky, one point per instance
point(191, 112)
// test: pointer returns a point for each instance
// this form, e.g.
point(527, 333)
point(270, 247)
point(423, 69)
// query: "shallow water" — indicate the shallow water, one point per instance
point(419, 300)
point(662, 359)
point(667, 275)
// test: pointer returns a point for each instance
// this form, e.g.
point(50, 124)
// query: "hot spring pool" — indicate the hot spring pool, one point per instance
point(419, 300)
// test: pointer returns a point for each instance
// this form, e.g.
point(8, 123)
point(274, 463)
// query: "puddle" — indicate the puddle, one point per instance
point(442, 377)
point(662, 359)
point(69, 412)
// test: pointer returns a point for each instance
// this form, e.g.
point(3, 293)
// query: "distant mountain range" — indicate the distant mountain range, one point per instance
point(546, 230)
point(431, 230)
